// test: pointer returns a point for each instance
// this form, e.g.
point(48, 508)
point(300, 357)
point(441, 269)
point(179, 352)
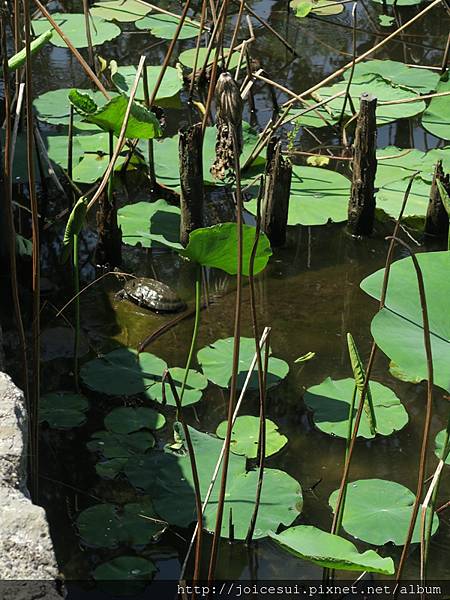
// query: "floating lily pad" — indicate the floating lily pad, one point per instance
point(330, 551)
point(281, 503)
point(390, 198)
point(439, 445)
point(378, 511)
point(63, 410)
point(324, 8)
point(420, 81)
point(216, 362)
point(142, 123)
point(395, 163)
point(108, 526)
point(317, 196)
point(187, 58)
point(397, 328)
point(171, 84)
point(168, 476)
point(73, 26)
point(111, 467)
point(123, 372)
point(330, 403)
point(57, 149)
point(123, 11)
point(245, 436)
point(435, 119)
point(132, 571)
point(150, 224)
point(54, 108)
point(117, 445)
point(127, 419)
point(216, 247)
point(164, 26)
point(195, 384)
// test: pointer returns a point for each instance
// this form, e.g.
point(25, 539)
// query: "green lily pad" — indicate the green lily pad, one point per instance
point(378, 511)
point(187, 58)
point(216, 246)
point(171, 84)
point(63, 410)
point(127, 419)
point(130, 569)
point(169, 477)
point(324, 8)
point(57, 149)
point(330, 403)
point(245, 436)
point(390, 198)
point(216, 361)
point(397, 73)
point(123, 372)
point(195, 384)
point(281, 503)
point(330, 551)
point(386, 20)
point(397, 328)
point(117, 445)
point(150, 224)
point(111, 467)
point(142, 123)
point(435, 118)
point(404, 162)
point(317, 196)
point(164, 26)
point(439, 445)
point(73, 26)
point(123, 11)
point(108, 526)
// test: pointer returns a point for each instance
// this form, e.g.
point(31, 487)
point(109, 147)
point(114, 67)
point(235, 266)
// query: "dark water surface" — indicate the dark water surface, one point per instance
point(309, 296)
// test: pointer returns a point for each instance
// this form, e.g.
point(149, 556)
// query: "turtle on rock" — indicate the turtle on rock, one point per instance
point(151, 294)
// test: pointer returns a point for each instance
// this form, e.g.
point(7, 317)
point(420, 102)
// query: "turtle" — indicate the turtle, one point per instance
point(151, 294)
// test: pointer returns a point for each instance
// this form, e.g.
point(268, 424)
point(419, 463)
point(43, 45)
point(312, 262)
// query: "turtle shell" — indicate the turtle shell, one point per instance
point(153, 295)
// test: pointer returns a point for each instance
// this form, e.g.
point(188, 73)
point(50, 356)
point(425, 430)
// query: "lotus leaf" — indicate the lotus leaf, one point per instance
point(435, 118)
point(330, 551)
point(150, 224)
point(245, 436)
point(117, 445)
point(123, 372)
point(126, 569)
point(397, 328)
point(127, 419)
point(419, 80)
point(317, 196)
point(324, 8)
point(123, 11)
point(216, 247)
point(216, 362)
point(171, 84)
point(108, 526)
point(378, 511)
point(142, 123)
point(195, 384)
point(164, 26)
point(187, 58)
point(330, 403)
point(439, 445)
point(63, 410)
point(73, 26)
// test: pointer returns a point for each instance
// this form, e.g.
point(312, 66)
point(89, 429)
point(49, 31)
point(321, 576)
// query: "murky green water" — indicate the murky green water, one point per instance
point(309, 296)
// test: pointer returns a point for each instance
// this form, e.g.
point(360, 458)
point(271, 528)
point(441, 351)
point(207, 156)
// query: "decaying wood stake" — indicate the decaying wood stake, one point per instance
point(191, 176)
point(109, 244)
point(277, 190)
point(361, 208)
point(436, 223)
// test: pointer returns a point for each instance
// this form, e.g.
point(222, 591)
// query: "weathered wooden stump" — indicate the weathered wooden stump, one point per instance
point(277, 189)
point(109, 244)
point(361, 208)
point(436, 222)
point(191, 176)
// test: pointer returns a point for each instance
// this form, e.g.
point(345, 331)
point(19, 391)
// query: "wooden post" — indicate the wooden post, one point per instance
point(191, 176)
point(361, 208)
point(109, 244)
point(436, 223)
point(275, 204)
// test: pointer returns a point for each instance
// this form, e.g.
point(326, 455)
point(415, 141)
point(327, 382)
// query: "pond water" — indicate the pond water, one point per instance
point(309, 295)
